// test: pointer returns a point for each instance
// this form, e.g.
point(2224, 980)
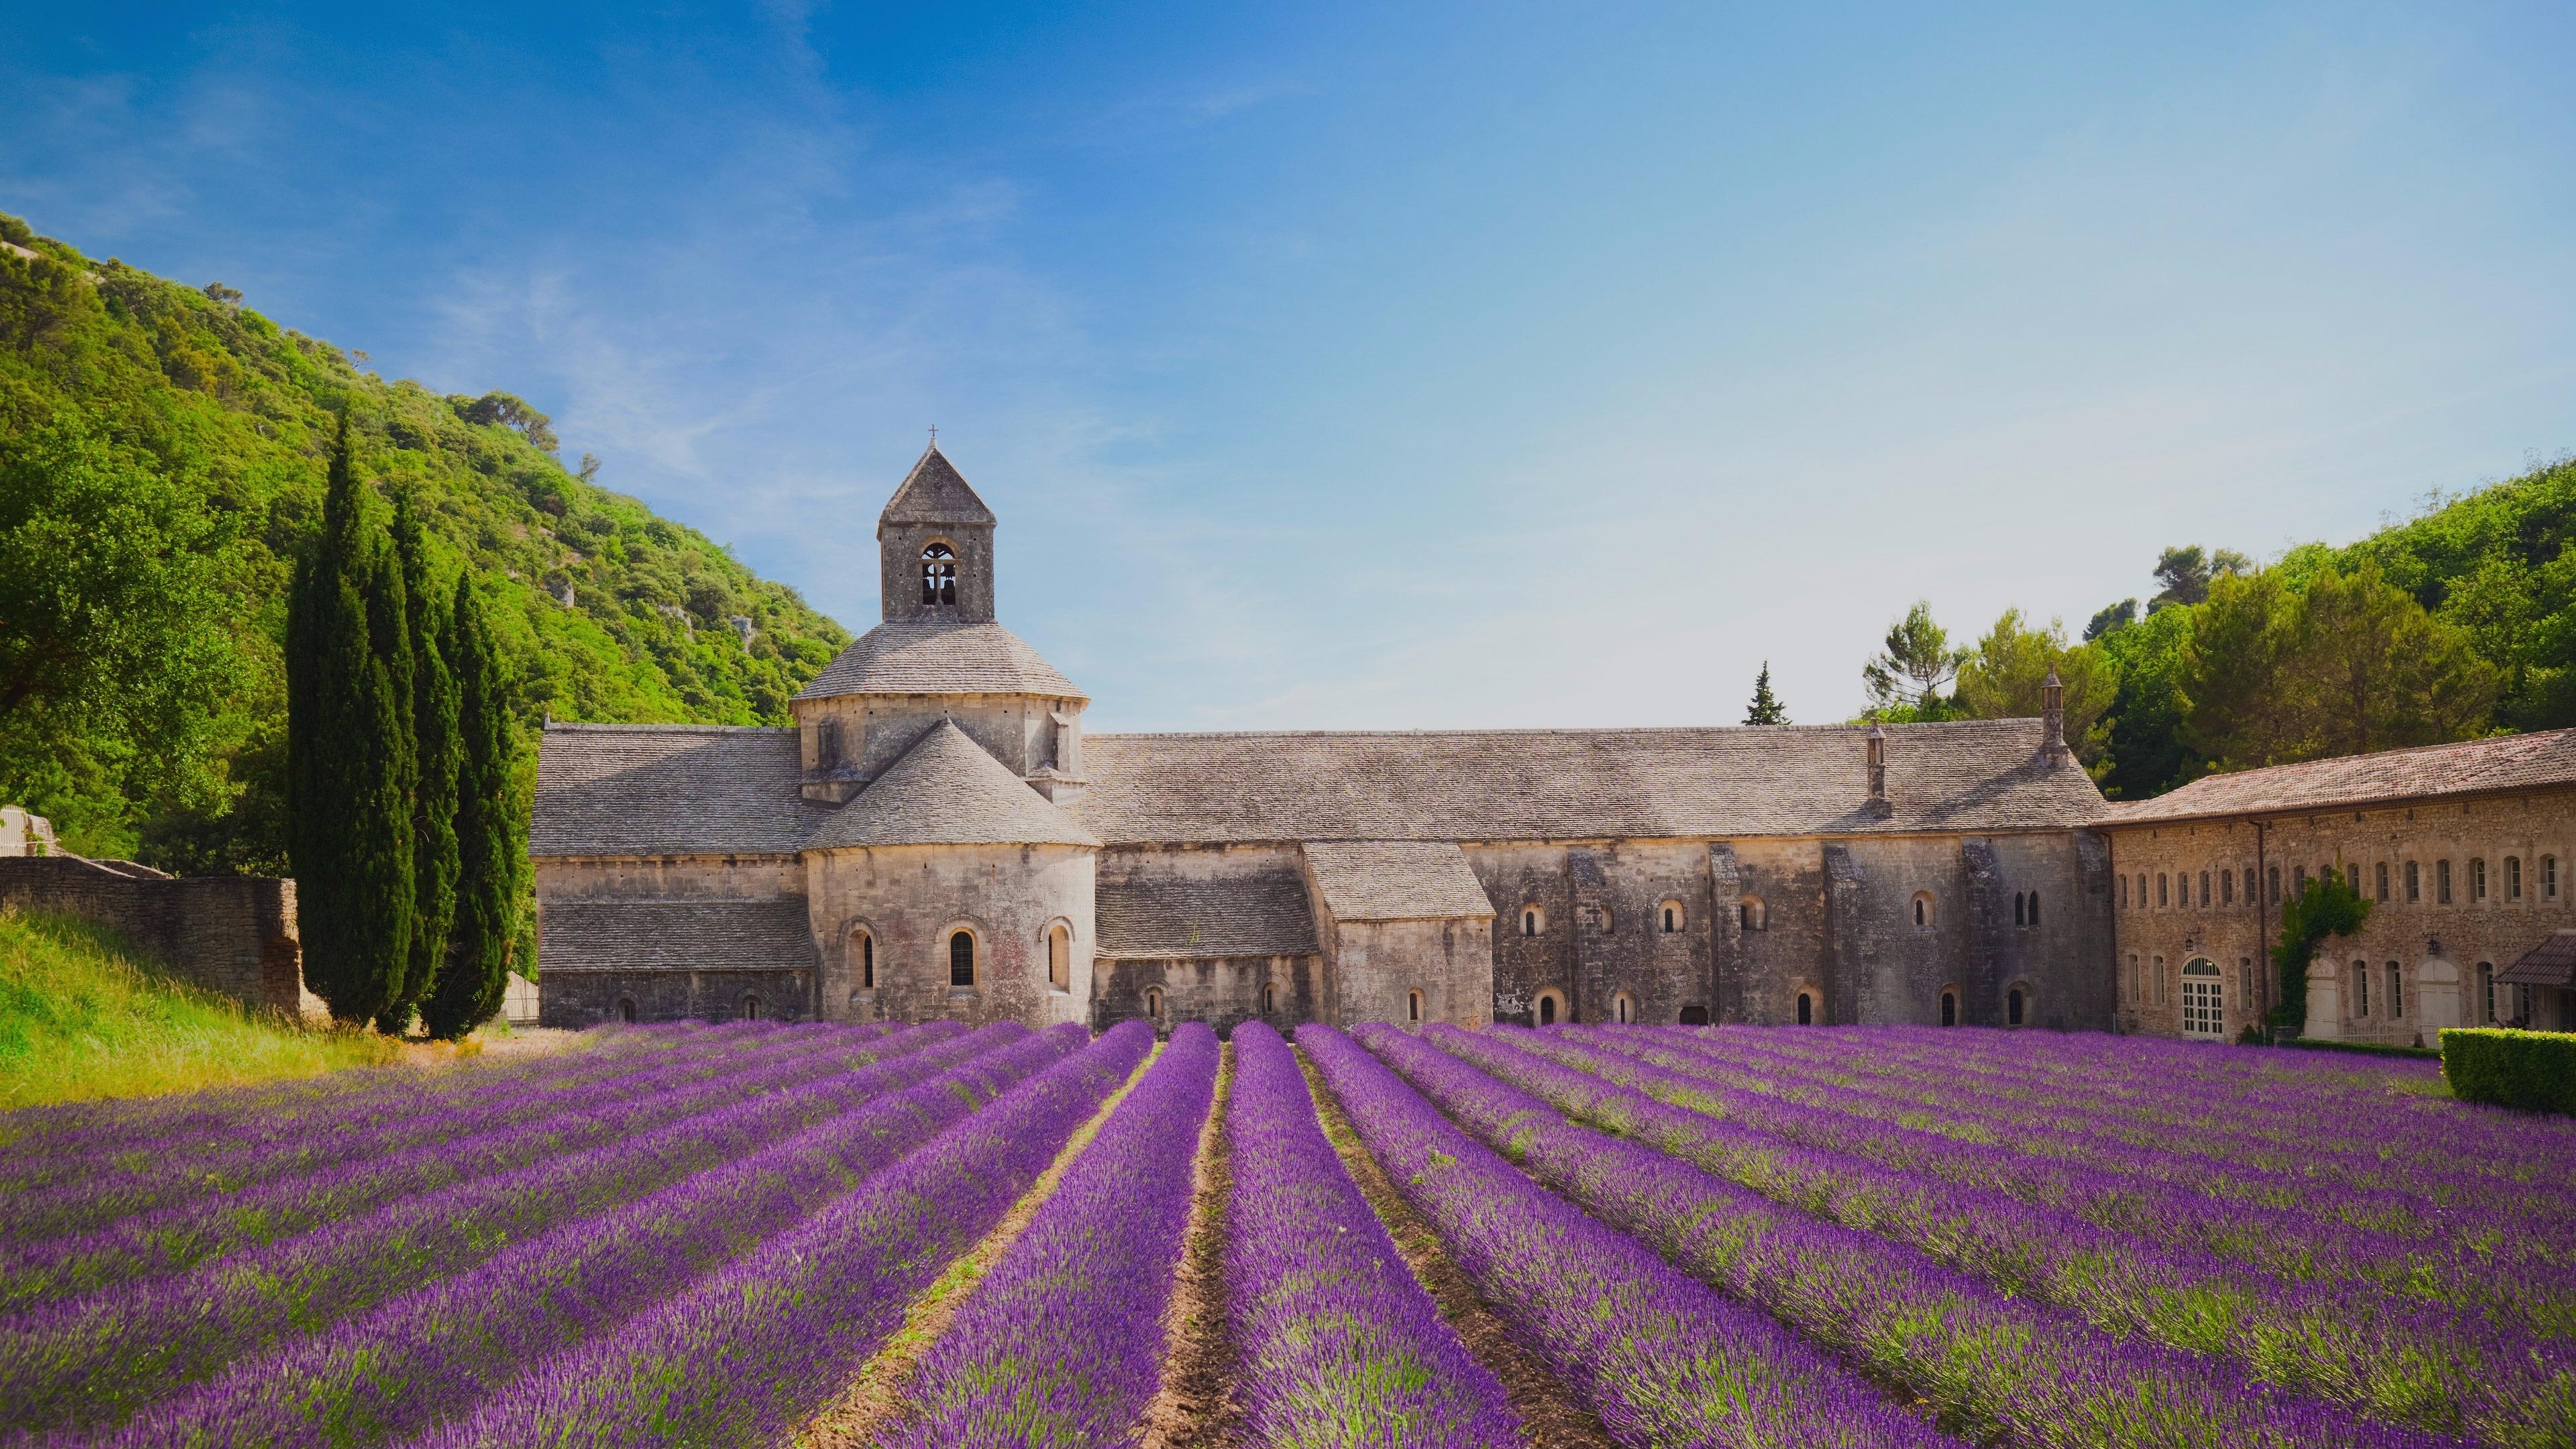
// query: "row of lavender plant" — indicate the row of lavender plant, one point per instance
point(434, 1143)
point(1062, 1342)
point(2416, 1364)
point(757, 1346)
point(1660, 1357)
point(2332, 1236)
point(178, 1238)
point(438, 1351)
point(93, 1359)
point(1336, 1343)
point(47, 1143)
point(1999, 1369)
point(2192, 1118)
point(2275, 1102)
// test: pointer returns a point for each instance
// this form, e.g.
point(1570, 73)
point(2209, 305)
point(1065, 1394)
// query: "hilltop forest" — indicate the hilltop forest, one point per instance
point(163, 450)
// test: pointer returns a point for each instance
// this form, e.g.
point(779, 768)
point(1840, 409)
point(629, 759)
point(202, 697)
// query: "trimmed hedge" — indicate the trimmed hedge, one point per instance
point(2364, 1048)
point(2532, 1070)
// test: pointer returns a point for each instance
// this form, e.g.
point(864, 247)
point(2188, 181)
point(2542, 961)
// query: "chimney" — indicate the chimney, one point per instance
point(1878, 770)
point(2052, 715)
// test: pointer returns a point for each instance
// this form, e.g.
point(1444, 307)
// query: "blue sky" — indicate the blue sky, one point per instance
point(1403, 366)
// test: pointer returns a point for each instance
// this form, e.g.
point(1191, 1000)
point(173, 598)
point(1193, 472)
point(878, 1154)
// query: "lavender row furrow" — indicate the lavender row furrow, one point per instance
point(435, 1353)
point(2000, 1370)
point(268, 1192)
point(2330, 1236)
point(179, 1238)
point(2415, 1364)
point(1335, 1342)
point(747, 1353)
point(1655, 1353)
point(93, 1359)
point(1062, 1342)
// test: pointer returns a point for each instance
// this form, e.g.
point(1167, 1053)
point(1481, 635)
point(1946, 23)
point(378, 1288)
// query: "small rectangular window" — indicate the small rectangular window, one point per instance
point(2414, 882)
point(2272, 883)
point(2204, 890)
point(2382, 871)
point(2249, 886)
point(2513, 877)
point(2361, 988)
point(2227, 887)
point(2299, 881)
point(2352, 877)
point(2164, 896)
point(2396, 991)
point(2477, 879)
point(2124, 893)
point(2549, 877)
point(2442, 882)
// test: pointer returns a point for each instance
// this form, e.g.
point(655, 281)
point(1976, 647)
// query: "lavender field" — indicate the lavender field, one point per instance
point(759, 1234)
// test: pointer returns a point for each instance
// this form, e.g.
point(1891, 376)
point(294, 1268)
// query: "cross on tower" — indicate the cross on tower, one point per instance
point(934, 435)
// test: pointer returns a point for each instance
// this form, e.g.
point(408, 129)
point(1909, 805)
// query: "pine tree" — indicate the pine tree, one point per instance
point(491, 831)
point(1766, 708)
point(435, 754)
point(349, 755)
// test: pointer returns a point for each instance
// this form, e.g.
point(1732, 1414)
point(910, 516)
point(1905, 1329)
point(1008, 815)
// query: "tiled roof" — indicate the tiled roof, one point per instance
point(923, 656)
point(935, 492)
point(667, 790)
point(948, 790)
point(2509, 762)
point(1259, 913)
point(674, 936)
point(2551, 963)
point(1396, 880)
point(1575, 784)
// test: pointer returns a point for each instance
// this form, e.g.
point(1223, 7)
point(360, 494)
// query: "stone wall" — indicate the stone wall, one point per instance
point(2443, 951)
point(1222, 992)
point(909, 900)
point(580, 999)
point(231, 934)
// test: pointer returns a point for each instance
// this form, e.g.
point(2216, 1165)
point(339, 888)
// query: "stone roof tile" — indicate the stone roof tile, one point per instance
point(675, 936)
point(1396, 880)
point(1257, 913)
point(2507, 762)
point(947, 790)
point(927, 656)
point(1468, 785)
point(935, 492)
point(668, 790)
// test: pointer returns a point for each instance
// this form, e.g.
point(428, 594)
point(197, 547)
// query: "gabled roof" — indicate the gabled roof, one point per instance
point(1259, 912)
point(924, 656)
point(2507, 762)
point(935, 492)
point(948, 790)
point(1396, 880)
point(675, 936)
point(668, 790)
point(1473, 785)
point(2551, 963)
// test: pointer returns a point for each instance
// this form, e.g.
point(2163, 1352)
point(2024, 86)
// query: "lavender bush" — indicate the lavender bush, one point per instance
point(1336, 1344)
point(1062, 1342)
point(1661, 1358)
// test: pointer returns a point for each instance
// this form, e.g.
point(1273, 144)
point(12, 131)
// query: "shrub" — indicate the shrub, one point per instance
point(2364, 1048)
point(2531, 1070)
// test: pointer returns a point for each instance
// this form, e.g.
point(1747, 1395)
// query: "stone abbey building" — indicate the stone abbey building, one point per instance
point(937, 837)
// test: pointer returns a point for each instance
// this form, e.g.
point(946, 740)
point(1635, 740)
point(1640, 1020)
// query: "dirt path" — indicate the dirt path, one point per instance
point(1555, 1420)
point(1196, 1409)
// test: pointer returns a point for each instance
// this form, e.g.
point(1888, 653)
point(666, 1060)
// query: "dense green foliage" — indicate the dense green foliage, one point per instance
point(491, 830)
point(2531, 1070)
point(2359, 1048)
point(1765, 707)
point(2326, 906)
point(162, 462)
point(2456, 624)
point(83, 1015)
point(435, 761)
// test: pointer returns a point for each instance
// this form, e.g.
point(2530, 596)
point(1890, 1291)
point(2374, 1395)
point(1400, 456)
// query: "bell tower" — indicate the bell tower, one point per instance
point(935, 548)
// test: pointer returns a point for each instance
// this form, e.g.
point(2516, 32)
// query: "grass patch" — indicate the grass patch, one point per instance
point(84, 1014)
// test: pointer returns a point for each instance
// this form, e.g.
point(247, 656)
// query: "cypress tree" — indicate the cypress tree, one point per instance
point(1766, 708)
point(435, 754)
point(491, 830)
point(349, 755)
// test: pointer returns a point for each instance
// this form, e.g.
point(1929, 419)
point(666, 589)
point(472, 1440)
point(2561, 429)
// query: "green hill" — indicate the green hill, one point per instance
point(82, 1016)
point(162, 452)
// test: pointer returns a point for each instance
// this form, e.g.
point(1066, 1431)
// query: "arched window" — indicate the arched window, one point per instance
point(2442, 882)
point(1750, 913)
point(939, 574)
point(2124, 893)
point(2396, 991)
point(2379, 878)
point(2414, 883)
point(2486, 993)
point(2204, 1006)
point(1549, 1008)
point(2249, 885)
point(2034, 908)
point(2160, 981)
point(2204, 890)
point(1154, 1002)
point(1694, 1016)
point(2227, 887)
point(2142, 890)
point(2013, 1004)
point(1949, 1008)
point(1269, 1000)
point(1923, 908)
point(626, 1006)
point(2360, 988)
point(2549, 877)
point(1600, 919)
point(2021, 909)
point(1413, 1006)
point(2513, 877)
point(1060, 957)
point(1533, 920)
point(863, 951)
point(750, 1007)
point(2163, 896)
point(2478, 878)
point(1806, 1009)
point(2134, 986)
point(1670, 913)
point(1623, 1008)
point(2352, 876)
point(961, 958)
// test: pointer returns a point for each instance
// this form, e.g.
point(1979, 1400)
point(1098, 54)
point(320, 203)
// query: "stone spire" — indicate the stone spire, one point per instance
point(935, 547)
point(1878, 802)
point(2052, 716)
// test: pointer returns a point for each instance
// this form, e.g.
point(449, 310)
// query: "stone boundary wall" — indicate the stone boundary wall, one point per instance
point(231, 934)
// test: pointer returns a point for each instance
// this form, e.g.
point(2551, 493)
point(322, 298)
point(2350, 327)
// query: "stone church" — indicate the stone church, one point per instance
point(936, 837)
